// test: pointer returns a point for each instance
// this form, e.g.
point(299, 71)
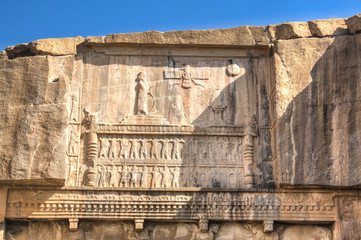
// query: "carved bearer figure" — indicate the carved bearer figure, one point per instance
point(112, 150)
point(104, 147)
point(72, 172)
point(143, 90)
point(154, 149)
point(158, 178)
point(138, 177)
point(143, 149)
point(133, 179)
point(82, 169)
point(73, 141)
point(144, 182)
point(176, 174)
point(133, 149)
point(125, 148)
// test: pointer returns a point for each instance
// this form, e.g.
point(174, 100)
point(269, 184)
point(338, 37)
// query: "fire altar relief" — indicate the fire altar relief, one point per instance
point(165, 160)
point(146, 150)
point(141, 153)
point(180, 121)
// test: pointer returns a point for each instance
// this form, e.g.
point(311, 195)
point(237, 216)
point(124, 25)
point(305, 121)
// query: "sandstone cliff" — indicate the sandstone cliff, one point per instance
point(299, 115)
point(314, 101)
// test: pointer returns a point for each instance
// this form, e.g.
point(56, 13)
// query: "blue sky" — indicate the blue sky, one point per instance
point(22, 21)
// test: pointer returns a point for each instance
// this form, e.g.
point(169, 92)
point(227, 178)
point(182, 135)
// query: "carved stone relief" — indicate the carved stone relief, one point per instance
point(227, 205)
point(182, 122)
point(183, 75)
point(143, 92)
point(170, 161)
point(195, 150)
point(73, 149)
point(160, 176)
point(145, 150)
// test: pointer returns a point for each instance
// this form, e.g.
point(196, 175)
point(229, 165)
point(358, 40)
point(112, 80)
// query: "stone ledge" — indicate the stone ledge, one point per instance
point(243, 36)
point(354, 24)
point(20, 50)
point(33, 182)
point(48, 46)
point(239, 36)
point(55, 46)
point(292, 30)
point(329, 27)
point(235, 206)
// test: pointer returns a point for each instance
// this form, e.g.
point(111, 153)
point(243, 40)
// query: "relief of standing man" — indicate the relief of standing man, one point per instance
point(143, 91)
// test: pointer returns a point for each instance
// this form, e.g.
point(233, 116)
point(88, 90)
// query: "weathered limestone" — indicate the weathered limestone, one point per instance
point(3, 204)
point(329, 27)
point(20, 50)
point(156, 230)
point(55, 46)
point(321, 86)
point(354, 24)
point(306, 232)
point(244, 36)
point(292, 30)
point(49, 46)
point(241, 133)
point(34, 122)
point(3, 55)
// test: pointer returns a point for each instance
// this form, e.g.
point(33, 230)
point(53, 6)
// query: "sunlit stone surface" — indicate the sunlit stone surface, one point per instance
point(242, 133)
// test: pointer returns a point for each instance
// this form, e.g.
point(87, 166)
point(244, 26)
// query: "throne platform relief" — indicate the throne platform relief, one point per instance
point(170, 134)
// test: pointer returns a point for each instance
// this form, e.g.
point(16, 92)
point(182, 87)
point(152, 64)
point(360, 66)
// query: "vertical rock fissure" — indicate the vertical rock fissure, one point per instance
point(294, 154)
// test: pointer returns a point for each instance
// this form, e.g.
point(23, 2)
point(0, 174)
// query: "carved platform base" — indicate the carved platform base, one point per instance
point(73, 224)
point(139, 224)
point(145, 120)
point(185, 205)
point(2, 230)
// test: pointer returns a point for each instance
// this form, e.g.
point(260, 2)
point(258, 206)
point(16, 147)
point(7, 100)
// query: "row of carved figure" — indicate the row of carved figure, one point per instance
point(160, 177)
point(202, 149)
point(164, 177)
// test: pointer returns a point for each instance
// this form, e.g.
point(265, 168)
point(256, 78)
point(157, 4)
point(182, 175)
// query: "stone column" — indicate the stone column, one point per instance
point(2, 231)
point(347, 224)
point(248, 161)
point(3, 200)
point(92, 147)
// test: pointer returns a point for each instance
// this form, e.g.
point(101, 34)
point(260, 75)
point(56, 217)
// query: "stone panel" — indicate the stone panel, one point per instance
point(203, 134)
point(196, 114)
point(34, 116)
point(89, 230)
point(318, 135)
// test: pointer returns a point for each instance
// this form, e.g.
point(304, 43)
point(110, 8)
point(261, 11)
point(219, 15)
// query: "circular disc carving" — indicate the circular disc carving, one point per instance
point(233, 69)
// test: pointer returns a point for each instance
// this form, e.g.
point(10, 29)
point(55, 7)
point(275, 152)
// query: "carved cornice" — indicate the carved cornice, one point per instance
point(104, 128)
point(172, 205)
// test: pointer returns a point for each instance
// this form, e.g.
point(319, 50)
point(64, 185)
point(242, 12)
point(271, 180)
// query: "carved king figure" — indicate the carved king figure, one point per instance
point(143, 90)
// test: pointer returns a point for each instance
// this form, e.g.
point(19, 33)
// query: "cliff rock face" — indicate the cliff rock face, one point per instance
point(227, 134)
point(34, 109)
point(319, 132)
point(125, 230)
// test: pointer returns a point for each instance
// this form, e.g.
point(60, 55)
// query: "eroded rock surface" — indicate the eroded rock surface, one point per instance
point(89, 230)
point(34, 117)
point(318, 131)
point(210, 129)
